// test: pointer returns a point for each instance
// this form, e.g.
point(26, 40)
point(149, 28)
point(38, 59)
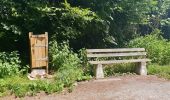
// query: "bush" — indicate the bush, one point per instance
point(9, 64)
point(87, 67)
point(157, 48)
point(62, 56)
point(69, 75)
point(65, 63)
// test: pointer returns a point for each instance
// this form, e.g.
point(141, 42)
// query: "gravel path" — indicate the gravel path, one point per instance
point(119, 88)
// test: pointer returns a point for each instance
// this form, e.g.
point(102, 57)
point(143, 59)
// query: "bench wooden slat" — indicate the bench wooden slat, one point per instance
point(117, 54)
point(115, 50)
point(119, 61)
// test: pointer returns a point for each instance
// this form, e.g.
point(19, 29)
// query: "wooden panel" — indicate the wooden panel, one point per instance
point(43, 47)
point(39, 50)
point(115, 50)
point(119, 61)
point(117, 54)
point(31, 49)
point(36, 53)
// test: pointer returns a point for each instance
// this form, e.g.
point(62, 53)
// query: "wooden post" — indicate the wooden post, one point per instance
point(46, 34)
point(30, 34)
point(99, 71)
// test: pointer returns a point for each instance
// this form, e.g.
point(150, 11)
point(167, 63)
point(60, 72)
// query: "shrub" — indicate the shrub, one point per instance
point(158, 49)
point(61, 55)
point(87, 67)
point(65, 63)
point(69, 75)
point(9, 64)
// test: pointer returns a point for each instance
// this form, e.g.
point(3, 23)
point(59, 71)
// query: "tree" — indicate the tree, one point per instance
point(122, 17)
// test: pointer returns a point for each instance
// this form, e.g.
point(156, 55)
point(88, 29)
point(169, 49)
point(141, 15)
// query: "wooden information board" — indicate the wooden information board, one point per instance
point(39, 50)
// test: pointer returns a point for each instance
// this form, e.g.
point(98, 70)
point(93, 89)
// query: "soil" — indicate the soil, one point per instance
point(115, 88)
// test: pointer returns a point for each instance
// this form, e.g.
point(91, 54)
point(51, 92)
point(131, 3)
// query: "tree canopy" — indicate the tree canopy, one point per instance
point(84, 23)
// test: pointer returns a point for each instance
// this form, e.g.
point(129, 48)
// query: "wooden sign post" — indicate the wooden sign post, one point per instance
point(39, 50)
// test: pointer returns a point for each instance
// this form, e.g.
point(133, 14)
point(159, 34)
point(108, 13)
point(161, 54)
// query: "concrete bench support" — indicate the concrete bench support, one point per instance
point(141, 68)
point(99, 71)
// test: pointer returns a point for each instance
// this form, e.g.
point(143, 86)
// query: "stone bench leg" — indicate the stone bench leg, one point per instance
point(99, 71)
point(141, 69)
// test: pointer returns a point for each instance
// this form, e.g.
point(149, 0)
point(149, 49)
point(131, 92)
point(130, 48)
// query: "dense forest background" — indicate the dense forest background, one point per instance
point(84, 23)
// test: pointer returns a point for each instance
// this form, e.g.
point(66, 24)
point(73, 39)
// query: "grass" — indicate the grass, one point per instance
point(161, 71)
point(119, 69)
point(21, 86)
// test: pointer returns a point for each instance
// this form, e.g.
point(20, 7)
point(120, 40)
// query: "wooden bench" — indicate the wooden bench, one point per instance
point(120, 55)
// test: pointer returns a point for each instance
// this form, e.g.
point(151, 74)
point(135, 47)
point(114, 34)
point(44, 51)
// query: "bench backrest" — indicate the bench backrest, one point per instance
point(120, 52)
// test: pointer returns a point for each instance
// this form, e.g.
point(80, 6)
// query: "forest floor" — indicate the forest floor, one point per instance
point(133, 87)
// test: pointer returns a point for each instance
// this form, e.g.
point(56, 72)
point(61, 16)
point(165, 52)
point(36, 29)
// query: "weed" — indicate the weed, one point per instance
point(161, 71)
point(9, 64)
point(119, 69)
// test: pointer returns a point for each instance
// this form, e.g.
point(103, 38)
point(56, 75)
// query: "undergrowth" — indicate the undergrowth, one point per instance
point(68, 67)
point(161, 71)
point(9, 64)
point(22, 86)
point(119, 69)
point(65, 64)
point(157, 48)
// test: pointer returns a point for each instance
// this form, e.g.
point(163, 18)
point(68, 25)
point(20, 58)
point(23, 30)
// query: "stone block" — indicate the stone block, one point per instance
point(99, 71)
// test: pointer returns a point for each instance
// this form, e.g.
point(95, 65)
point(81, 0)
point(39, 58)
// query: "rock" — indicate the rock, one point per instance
point(75, 84)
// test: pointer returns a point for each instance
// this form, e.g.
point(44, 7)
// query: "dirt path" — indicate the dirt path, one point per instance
point(119, 88)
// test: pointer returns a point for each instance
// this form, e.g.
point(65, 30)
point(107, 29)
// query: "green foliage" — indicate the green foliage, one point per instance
point(9, 64)
point(19, 90)
point(69, 76)
point(104, 23)
point(87, 68)
point(61, 56)
point(15, 85)
point(161, 71)
point(90, 24)
point(119, 69)
point(21, 86)
point(85, 24)
point(157, 48)
point(65, 63)
point(122, 17)
point(62, 21)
